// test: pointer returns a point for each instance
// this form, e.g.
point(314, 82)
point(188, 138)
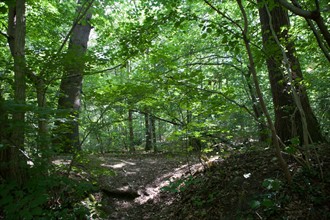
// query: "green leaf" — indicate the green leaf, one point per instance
point(177, 24)
point(272, 184)
point(267, 203)
point(224, 40)
point(290, 150)
point(255, 204)
point(204, 35)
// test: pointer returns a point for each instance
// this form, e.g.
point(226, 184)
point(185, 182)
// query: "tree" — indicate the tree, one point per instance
point(131, 130)
point(276, 142)
point(13, 162)
point(289, 121)
point(148, 131)
point(67, 132)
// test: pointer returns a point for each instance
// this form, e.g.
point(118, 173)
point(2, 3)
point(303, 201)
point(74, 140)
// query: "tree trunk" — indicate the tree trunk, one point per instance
point(148, 134)
point(67, 131)
point(153, 133)
point(13, 163)
point(131, 131)
point(275, 141)
point(43, 135)
point(288, 122)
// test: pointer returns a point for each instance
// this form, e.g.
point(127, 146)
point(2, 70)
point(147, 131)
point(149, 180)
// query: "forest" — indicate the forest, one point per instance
point(164, 109)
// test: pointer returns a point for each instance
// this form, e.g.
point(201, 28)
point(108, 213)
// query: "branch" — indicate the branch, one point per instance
point(230, 100)
point(297, 10)
point(318, 39)
point(223, 14)
point(161, 119)
point(214, 64)
point(224, 96)
point(316, 16)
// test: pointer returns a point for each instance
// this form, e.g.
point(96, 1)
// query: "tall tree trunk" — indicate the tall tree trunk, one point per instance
point(43, 135)
point(153, 133)
point(148, 134)
point(275, 141)
point(131, 131)
point(288, 122)
point(13, 163)
point(43, 138)
point(67, 131)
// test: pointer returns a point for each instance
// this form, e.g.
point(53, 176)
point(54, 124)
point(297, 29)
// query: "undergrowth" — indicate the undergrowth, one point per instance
point(51, 193)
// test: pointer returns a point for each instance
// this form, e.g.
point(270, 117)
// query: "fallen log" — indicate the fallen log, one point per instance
point(127, 194)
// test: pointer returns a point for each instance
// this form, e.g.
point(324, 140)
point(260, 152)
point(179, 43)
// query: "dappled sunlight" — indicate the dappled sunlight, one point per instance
point(139, 181)
point(61, 162)
point(153, 190)
point(124, 204)
point(119, 165)
point(116, 166)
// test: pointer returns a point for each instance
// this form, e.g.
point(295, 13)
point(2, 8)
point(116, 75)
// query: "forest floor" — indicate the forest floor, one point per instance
point(246, 185)
point(134, 192)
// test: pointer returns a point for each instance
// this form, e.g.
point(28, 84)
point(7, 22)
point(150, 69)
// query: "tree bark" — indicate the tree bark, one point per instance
point(67, 131)
point(148, 134)
point(43, 134)
point(131, 131)
point(43, 138)
point(13, 163)
point(288, 122)
point(153, 133)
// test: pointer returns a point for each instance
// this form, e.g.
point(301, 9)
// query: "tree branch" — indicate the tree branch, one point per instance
point(314, 15)
point(223, 14)
point(224, 96)
point(296, 10)
point(160, 119)
point(318, 39)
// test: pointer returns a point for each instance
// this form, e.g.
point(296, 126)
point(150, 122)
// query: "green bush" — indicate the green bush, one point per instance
point(45, 197)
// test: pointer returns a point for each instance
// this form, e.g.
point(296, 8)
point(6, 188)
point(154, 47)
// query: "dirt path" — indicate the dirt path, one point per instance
point(134, 192)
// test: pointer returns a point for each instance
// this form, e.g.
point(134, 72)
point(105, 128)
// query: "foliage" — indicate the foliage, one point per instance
point(46, 197)
point(182, 62)
point(268, 202)
point(306, 191)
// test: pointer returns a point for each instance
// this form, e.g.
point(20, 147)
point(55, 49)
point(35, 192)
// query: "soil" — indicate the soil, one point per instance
point(245, 185)
point(135, 190)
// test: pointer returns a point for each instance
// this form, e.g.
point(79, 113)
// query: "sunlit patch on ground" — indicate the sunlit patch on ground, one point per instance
point(144, 175)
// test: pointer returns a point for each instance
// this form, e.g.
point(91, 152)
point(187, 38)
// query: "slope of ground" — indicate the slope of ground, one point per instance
point(243, 186)
point(251, 186)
